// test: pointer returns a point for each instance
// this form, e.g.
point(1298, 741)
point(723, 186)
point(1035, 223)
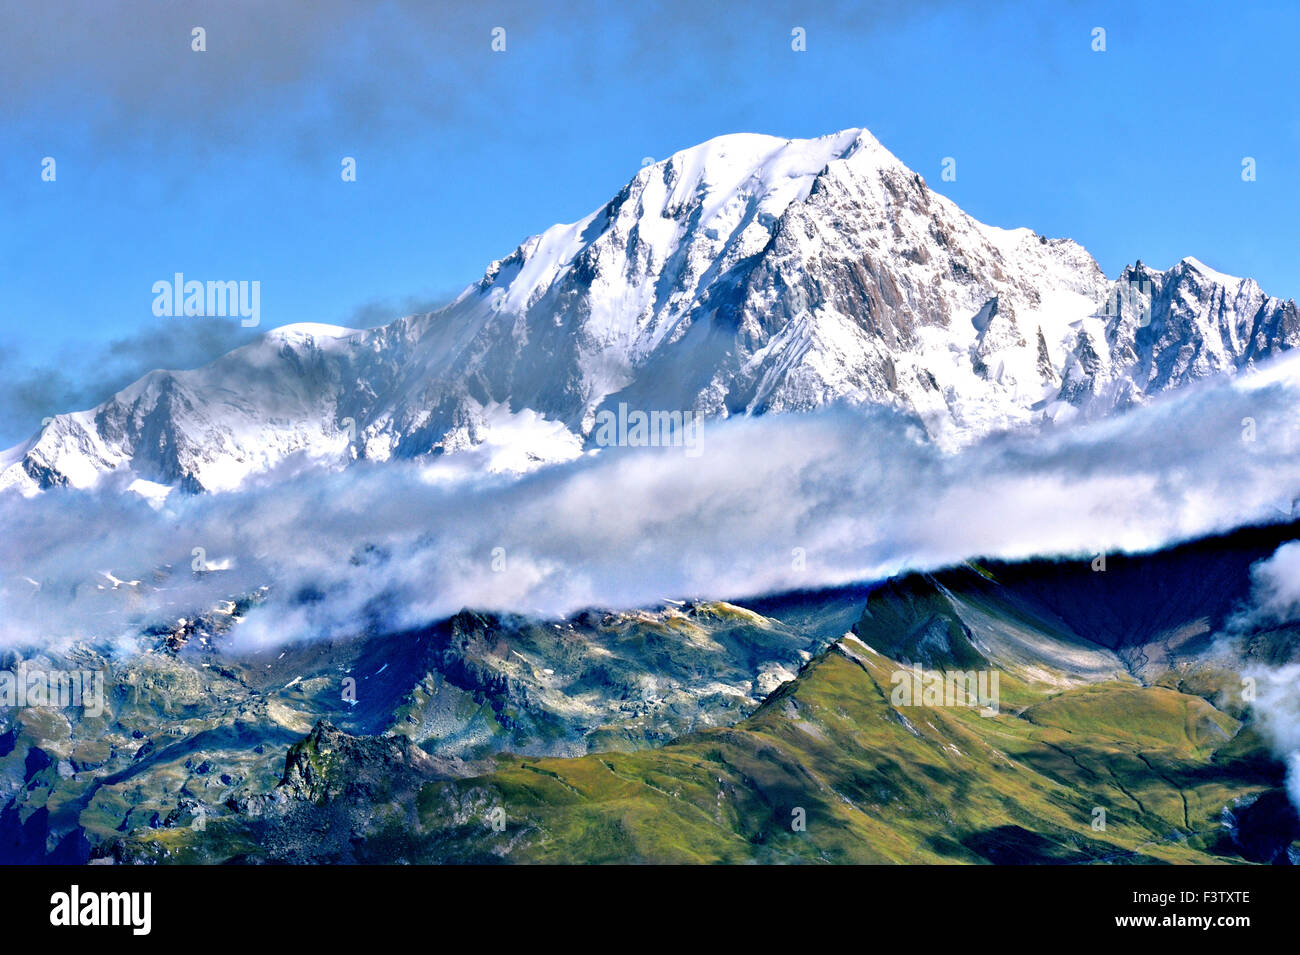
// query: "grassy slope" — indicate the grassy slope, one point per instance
point(878, 783)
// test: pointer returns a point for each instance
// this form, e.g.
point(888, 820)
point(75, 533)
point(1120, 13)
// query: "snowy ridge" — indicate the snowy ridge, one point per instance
point(746, 275)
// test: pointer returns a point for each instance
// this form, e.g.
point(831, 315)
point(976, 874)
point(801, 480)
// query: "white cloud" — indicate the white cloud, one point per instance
point(1275, 599)
point(1277, 708)
point(404, 543)
point(1277, 585)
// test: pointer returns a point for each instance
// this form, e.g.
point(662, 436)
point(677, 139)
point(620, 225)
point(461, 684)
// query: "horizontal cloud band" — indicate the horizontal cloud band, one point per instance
point(772, 503)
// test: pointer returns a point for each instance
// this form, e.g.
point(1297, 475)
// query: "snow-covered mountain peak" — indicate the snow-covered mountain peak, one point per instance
point(747, 275)
point(1215, 276)
point(718, 197)
point(307, 333)
point(777, 170)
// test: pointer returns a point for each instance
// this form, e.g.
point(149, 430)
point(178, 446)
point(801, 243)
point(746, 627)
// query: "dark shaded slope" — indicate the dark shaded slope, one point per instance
point(1149, 609)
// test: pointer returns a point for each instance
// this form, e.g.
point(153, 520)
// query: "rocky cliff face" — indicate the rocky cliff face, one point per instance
point(1164, 329)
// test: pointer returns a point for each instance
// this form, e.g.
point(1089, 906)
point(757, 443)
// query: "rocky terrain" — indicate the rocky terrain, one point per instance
point(188, 725)
point(1117, 690)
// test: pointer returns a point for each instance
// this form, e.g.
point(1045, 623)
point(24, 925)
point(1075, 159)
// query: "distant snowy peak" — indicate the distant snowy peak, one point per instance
point(207, 429)
point(1159, 330)
point(746, 275)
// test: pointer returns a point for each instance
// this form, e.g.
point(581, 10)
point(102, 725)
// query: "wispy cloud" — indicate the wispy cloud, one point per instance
point(773, 503)
point(1277, 588)
point(84, 375)
point(339, 68)
point(1275, 601)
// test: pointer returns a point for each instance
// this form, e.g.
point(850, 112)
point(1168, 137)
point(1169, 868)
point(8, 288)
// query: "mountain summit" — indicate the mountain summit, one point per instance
point(746, 275)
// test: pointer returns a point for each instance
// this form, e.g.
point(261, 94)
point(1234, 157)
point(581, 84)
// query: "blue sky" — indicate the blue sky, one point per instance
point(225, 164)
